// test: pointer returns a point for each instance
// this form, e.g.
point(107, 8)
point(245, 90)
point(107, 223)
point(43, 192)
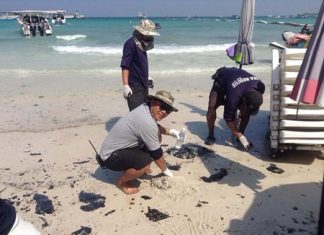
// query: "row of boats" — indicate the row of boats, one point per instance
point(34, 22)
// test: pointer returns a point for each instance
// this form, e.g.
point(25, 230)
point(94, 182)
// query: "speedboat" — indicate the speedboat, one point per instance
point(58, 18)
point(33, 22)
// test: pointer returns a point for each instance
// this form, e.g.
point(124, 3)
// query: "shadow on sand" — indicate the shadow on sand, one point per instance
point(286, 209)
point(195, 109)
point(243, 174)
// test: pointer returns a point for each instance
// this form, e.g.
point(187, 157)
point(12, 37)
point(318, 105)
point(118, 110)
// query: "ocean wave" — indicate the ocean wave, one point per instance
point(71, 37)
point(158, 50)
point(32, 72)
point(176, 49)
point(89, 72)
point(88, 50)
point(203, 70)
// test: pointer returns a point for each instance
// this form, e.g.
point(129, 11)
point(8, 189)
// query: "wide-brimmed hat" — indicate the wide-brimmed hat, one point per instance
point(253, 101)
point(165, 97)
point(147, 27)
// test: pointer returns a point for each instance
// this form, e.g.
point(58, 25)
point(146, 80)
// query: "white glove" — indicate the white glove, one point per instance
point(180, 135)
point(175, 133)
point(246, 144)
point(150, 82)
point(127, 91)
point(167, 172)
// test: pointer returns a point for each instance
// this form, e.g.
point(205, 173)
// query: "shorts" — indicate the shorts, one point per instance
point(217, 87)
point(138, 97)
point(124, 159)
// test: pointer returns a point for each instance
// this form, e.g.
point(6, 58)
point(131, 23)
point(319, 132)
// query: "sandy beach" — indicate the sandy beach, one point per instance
point(45, 150)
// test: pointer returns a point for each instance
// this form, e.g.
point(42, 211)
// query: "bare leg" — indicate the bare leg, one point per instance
point(211, 115)
point(123, 182)
point(211, 118)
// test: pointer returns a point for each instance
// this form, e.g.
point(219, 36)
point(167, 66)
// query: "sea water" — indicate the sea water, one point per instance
point(192, 46)
point(83, 57)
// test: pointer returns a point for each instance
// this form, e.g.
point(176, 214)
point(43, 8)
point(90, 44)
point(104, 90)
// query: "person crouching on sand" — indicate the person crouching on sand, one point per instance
point(134, 141)
point(237, 90)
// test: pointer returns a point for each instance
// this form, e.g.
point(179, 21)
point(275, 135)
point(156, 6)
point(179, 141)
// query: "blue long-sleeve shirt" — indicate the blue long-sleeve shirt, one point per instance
point(135, 60)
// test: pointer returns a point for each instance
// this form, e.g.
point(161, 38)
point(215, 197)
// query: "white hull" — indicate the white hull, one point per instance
point(58, 18)
point(60, 21)
point(42, 28)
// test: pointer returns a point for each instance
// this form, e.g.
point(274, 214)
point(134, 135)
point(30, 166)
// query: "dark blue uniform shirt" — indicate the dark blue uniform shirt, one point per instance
point(135, 60)
point(235, 83)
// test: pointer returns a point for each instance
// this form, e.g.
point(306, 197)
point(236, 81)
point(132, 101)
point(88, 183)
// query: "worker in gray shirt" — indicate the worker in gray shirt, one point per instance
point(135, 141)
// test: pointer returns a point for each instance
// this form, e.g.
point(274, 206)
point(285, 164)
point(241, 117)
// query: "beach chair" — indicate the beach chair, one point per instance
point(292, 125)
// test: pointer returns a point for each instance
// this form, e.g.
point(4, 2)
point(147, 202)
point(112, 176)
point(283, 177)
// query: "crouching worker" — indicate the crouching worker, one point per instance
point(134, 141)
point(237, 90)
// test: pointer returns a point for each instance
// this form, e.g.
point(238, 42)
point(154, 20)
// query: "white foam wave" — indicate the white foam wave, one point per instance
point(176, 49)
point(158, 50)
point(183, 71)
point(88, 50)
point(187, 70)
point(71, 37)
point(32, 72)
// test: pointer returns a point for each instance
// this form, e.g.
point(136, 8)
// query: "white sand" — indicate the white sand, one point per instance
point(44, 140)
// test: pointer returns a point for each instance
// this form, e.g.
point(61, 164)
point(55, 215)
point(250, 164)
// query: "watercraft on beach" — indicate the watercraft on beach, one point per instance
point(33, 22)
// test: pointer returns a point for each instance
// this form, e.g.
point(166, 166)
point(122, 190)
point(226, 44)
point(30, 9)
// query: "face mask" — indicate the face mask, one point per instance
point(146, 42)
point(147, 45)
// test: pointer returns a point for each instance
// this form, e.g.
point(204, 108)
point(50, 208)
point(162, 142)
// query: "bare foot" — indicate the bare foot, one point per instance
point(128, 189)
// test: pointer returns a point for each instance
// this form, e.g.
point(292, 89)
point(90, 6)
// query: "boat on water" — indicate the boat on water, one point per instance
point(58, 17)
point(141, 15)
point(7, 16)
point(76, 15)
point(34, 22)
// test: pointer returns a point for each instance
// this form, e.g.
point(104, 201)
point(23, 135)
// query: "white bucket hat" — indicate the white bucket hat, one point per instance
point(147, 28)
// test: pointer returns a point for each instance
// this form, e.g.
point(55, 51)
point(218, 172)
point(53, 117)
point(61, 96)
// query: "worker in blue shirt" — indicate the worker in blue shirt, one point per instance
point(134, 63)
point(237, 90)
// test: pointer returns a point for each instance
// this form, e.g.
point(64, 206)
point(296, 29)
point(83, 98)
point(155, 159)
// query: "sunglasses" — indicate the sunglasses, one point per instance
point(166, 108)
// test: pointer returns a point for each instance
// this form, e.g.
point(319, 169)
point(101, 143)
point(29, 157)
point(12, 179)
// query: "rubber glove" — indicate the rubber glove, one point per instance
point(167, 172)
point(175, 133)
point(150, 82)
point(246, 144)
point(127, 91)
point(180, 135)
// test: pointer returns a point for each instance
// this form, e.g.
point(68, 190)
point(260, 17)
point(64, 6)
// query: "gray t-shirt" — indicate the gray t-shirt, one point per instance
point(136, 128)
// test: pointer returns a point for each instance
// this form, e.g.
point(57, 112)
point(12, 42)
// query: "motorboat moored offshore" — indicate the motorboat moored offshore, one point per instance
point(33, 22)
point(58, 17)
